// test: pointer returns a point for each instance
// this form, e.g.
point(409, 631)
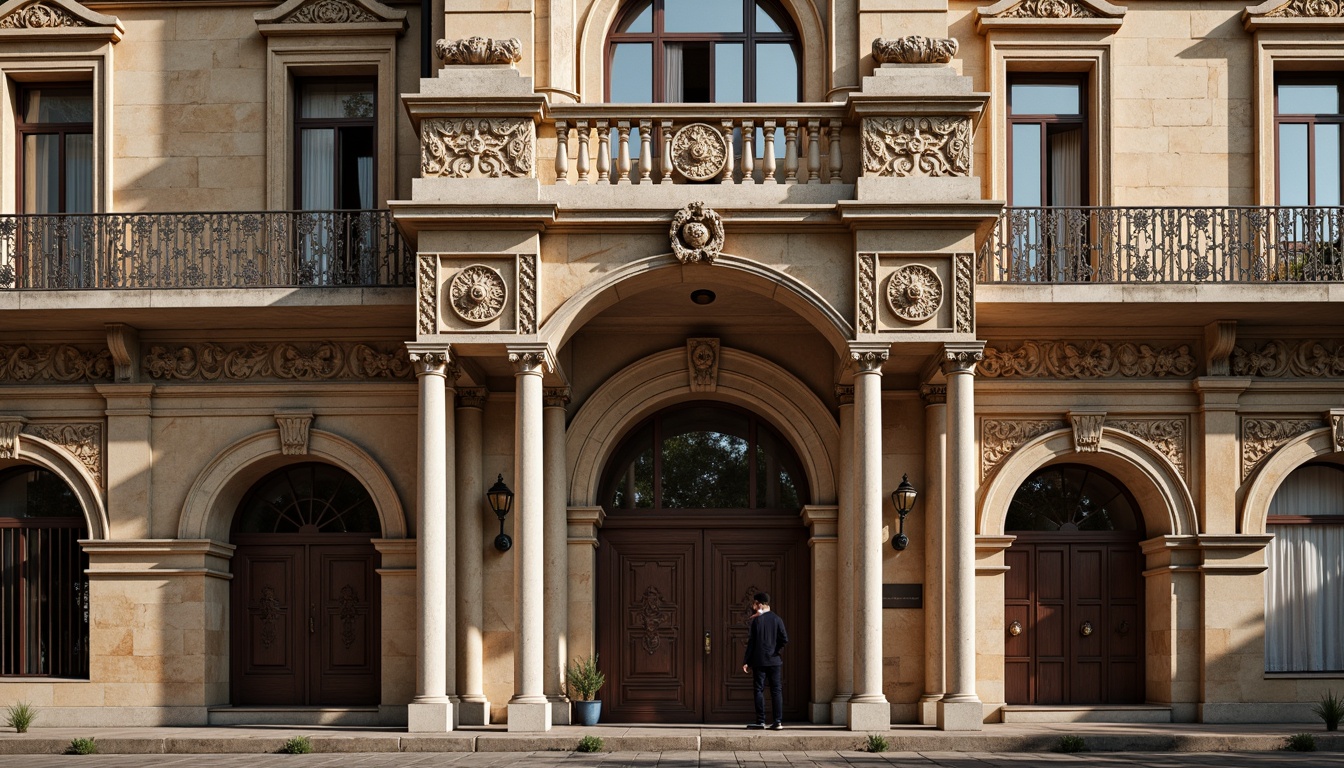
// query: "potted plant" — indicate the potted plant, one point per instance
point(585, 679)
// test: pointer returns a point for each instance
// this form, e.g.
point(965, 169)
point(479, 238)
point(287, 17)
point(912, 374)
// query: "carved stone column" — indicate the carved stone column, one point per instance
point(844, 563)
point(557, 554)
point(960, 708)
point(868, 707)
point(473, 708)
point(431, 711)
point(935, 522)
point(528, 709)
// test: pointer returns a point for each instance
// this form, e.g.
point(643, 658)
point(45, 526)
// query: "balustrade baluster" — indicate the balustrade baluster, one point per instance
point(791, 152)
point(837, 159)
point(604, 151)
point(645, 151)
point(623, 161)
point(768, 157)
point(666, 165)
point(814, 151)
point(584, 137)
point(748, 151)
point(727, 127)
point(561, 152)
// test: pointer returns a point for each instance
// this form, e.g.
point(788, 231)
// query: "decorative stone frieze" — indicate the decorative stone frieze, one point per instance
point(471, 397)
point(1309, 9)
point(527, 293)
point(20, 363)
point(1166, 435)
point(463, 148)
point(41, 15)
point(1087, 431)
point(696, 234)
point(914, 293)
point(1000, 437)
point(428, 300)
point(963, 320)
point(477, 294)
point(867, 293)
point(294, 426)
point(1050, 15)
point(917, 146)
point(1287, 359)
point(1262, 436)
point(479, 50)
point(702, 364)
point(311, 361)
point(1087, 360)
point(83, 441)
point(699, 152)
point(330, 12)
point(1049, 9)
point(915, 49)
point(10, 427)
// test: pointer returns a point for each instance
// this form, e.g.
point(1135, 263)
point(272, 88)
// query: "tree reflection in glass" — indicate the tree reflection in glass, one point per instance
point(1071, 498)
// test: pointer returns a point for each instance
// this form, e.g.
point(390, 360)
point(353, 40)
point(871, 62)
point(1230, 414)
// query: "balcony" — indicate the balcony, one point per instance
point(268, 249)
point(1125, 246)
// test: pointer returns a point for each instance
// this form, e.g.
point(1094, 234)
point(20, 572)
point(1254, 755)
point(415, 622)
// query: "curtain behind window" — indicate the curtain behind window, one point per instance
point(673, 68)
point(1066, 189)
point(1304, 586)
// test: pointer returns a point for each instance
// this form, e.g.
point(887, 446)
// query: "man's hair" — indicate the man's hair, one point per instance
point(762, 597)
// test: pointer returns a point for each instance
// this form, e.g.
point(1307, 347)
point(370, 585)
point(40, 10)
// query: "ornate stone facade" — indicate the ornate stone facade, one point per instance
point(1283, 359)
point(917, 146)
point(1087, 431)
point(699, 152)
point(702, 363)
point(479, 50)
point(477, 294)
point(311, 361)
point(1166, 435)
point(67, 363)
point(503, 147)
point(915, 49)
point(330, 12)
point(914, 293)
point(1049, 9)
point(1087, 360)
point(1262, 436)
point(40, 15)
point(1000, 437)
point(696, 234)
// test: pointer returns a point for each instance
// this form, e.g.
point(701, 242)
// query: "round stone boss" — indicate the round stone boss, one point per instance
point(699, 152)
point(914, 293)
point(477, 294)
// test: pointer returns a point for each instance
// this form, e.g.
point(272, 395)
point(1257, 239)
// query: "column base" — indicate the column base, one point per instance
point(928, 708)
point(530, 718)
point(473, 712)
point(840, 709)
point(429, 717)
point(869, 716)
point(961, 715)
point(559, 710)
point(820, 712)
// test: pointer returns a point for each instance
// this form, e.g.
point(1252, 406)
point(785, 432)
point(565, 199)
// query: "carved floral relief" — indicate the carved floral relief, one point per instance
point(1049, 9)
point(40, 15)
point(653, 615)
point(964, 310)
point(477, 294)
point(1087, 431)
point(914, 293)
point(1261, 437)
point(696, 234)
point(1166, 435)
point(1087, 360)
point(83, 441)
point(428, 302)
point(54, 362)
point(502, 147)
point(314, 361)
point(699, 152)
point(702, 362)
point(1000, 437)
point(479, 50)
point(914, 49)
point(1309, 9)
point(294, 429)
point(330, 12)
point(917, 146)
point(867, 293)
point(527, 293)
point(1282, 359)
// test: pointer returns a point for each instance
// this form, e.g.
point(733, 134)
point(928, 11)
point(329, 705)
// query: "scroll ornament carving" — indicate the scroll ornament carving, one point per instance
point(998, 438)
point(527, 293)
point(867, 293)
point(699, 152)
point(477, 148)
point(294, 433)
point(702, 361)
point(964, 319)
point(653, 615)
point(479, 50)
point(914, 293)
point(270, 613)
point(54, 362)
point(316, 361)
point(477, 294)
point(1278, 359)
point(1049, 9)
point(1087, 360)
point(427, 309)
point(1261, 437)
point(10, 427)
point(330, 12)
point(1309, 9)
point(917, 146)
point(696, 234)
point(1167, 435)
point(40, 16)
point(349, 603)
point(915, 49)
point(1087, 431)
point(83, 441)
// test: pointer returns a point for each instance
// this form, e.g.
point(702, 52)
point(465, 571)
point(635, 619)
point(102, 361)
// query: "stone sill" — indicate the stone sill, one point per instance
point(1304, 675)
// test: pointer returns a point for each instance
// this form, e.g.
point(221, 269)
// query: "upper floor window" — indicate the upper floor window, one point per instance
point(334, 126)
point(55, 133)
point(703, 51)
point(1047, 134)
point(1307, 122)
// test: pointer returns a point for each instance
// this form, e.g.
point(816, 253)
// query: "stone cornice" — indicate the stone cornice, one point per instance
point(1049, 16)
point(63, 19)
point(1317, 15)
point(330, 17)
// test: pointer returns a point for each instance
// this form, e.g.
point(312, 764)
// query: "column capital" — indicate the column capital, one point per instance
point(430, 361)
point(471, 397)
point(933, 394)
point(555, 397)
point(963, 357)
point(868, 357)
point(531, 358)
point(844, 394)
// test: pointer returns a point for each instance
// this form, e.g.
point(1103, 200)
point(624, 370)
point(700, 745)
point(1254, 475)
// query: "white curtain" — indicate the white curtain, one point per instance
point(1304, 586)
point(79, 173)
point(1066, 189)
point(318, 194)
point(673, 71)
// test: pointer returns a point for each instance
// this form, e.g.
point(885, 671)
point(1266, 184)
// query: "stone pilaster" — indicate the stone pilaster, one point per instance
point(556, 613)
point(130, 462)
point(844, 563)
point(935, 523)
point(473, 708)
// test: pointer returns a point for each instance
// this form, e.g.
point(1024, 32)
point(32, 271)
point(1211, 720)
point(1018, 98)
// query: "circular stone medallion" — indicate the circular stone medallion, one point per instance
point(914, 293)
point(699, 152)
point(477, 294)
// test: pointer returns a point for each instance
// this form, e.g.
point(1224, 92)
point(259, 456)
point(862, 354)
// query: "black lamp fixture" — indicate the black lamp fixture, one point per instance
point(702, 296)
point(501, 501)
point(903, 499)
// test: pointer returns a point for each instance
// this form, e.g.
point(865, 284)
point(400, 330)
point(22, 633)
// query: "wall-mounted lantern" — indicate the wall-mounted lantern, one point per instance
point(501, 501)
point(903, 499)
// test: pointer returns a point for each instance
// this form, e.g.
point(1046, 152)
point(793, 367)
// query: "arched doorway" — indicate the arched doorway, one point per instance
point(702, 505)
point(44, 589)
point(304, 596)
point(1073, 593)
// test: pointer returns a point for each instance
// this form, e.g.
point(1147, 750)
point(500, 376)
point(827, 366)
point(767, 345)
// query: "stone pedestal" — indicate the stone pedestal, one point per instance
point(529, 717)
point(960, 715)
point(874, 716)
point(429, 717)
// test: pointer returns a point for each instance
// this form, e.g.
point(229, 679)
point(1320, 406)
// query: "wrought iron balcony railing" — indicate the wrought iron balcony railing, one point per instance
point(267, 249)
point(1230, 244)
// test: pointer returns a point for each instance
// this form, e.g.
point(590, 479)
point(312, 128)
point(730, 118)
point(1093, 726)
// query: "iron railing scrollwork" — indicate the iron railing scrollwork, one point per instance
point(266, 249)
point(1223, 244)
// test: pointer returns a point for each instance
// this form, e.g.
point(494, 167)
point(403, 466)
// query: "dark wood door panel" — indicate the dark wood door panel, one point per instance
point(267, 643)
point(345, 628)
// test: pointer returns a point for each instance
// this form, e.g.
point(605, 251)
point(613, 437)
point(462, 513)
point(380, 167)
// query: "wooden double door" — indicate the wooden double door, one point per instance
point(1074, 619)
point(673, 606)
point(305, 620)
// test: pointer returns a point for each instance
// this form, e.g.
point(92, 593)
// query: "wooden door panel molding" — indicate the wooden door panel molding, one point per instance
point(266, 642)
point(343, 639)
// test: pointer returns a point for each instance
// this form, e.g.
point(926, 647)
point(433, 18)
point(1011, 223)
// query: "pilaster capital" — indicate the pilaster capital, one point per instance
point(1336, 416)
point(430, 361)
point(844, 394)
point(10, 427)
point(933, 394)
point(531, 359)
point(555, 397)
point(471, 397)
point(869, 358)
point(962, 357)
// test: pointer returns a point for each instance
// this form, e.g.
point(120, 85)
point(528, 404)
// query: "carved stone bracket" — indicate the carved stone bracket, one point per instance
point(1087, 360)
point(914, 293)
point(123, 342)
point(1000, 437)
point(1220, 338)
point(702, 363)
point(479, 50)
point(1166, 435)
point(65, 363)
point(1086, 430)
point(294, 426)
point(498, 147)
point(1261, 437)
point(917, 146)
point(915, 49)
point(312, 361)
point(84, 441)
point(10, 427)
point(1286, 359)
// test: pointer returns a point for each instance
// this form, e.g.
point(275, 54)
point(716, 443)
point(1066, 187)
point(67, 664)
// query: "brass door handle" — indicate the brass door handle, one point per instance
point(1085, 629)
point(312, 622)
point(1015, 628)
point(706, 642)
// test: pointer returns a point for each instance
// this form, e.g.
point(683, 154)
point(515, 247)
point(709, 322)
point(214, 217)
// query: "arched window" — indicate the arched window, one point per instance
point(308, 498)
point(1304, 586)
point(704, 456)
point(44, 605)
point(701, 51)
point(1071, 497)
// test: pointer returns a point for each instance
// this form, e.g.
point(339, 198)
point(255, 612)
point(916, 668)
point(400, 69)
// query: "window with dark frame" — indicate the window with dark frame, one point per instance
point(335, 138)
point(1047, 140)
point(1307, 120)
point(55, 148)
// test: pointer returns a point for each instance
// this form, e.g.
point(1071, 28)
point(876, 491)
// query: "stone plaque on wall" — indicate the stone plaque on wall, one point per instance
point(902, 595)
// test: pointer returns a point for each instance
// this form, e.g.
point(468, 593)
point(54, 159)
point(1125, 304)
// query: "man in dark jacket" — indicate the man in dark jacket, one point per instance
point(766, 637)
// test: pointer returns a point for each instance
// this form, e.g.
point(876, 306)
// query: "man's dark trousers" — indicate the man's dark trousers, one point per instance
point(774, 677)
point(766, 638)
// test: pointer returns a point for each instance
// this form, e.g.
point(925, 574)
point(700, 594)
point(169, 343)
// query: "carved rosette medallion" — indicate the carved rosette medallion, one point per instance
point(998, 438)
point(1261, 437)
point(702, 363)
point(501, 147)
point(40, 16)
point(699, 152)
point(1087, 360)
point(696, 234)
point(1309, 9)
point(477, 294)
point(348, 612)
point(1166, 435)
point(917, 146)
point(1049, 9)
point(330, 12)
point(914, 293)
point(479, 50)
point(915, 49)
